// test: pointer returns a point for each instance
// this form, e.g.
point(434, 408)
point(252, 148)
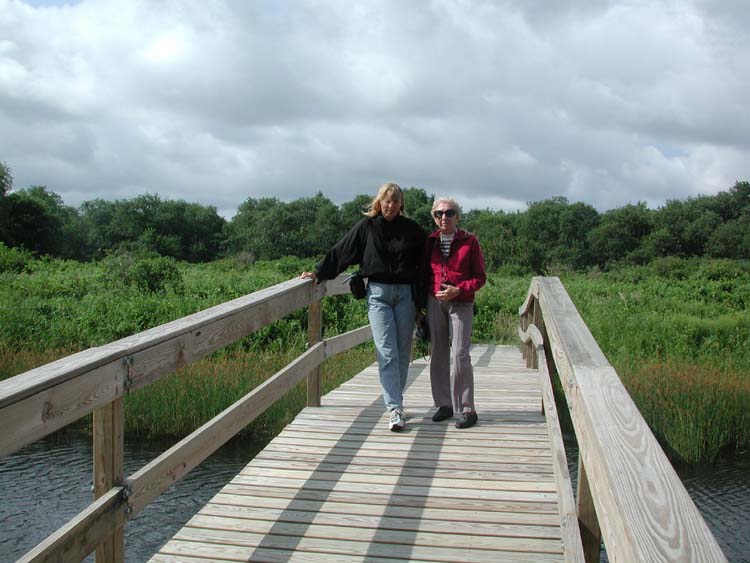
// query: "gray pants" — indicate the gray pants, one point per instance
point(450, 327)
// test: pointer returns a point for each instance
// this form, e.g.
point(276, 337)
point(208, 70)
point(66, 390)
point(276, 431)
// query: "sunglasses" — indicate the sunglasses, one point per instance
point(438, 213)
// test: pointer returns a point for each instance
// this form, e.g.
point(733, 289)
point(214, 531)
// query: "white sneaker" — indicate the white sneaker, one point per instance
point(397, 420)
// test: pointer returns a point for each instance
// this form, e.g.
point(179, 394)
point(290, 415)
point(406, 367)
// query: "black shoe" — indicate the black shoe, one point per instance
point(442, 413)
point(467, 420)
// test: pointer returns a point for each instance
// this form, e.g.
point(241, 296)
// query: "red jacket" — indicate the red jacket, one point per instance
point(464, 267)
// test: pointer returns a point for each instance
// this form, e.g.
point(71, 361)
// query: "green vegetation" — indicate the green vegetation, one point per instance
point(549, 235)
point(678, 334)
point(53, 308)
point(677, 331)
point(666, 293)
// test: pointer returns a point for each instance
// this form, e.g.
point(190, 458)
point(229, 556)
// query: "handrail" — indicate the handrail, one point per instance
point(42, 400)
point(570, 531)
point(626, 485)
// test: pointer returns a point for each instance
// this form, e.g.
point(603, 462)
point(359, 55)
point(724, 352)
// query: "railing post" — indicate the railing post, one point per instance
point(591, 535)
point(524, 346)
point(536, 320)
point(314, 335)
point(109, 470)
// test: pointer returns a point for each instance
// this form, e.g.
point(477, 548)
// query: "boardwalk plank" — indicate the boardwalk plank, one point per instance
point(240, 530)
point(404, 524)
point(336, 485)
point(268, 505)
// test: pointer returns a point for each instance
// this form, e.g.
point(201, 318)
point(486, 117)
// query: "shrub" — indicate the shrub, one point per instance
point(14, 259)
point(147, 274)
point(670, 267)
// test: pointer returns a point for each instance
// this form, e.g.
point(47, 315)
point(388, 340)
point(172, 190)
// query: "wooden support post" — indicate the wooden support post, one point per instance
point(536, 320)
point(591, 535)
point(524, 326)
point(109, 453)
point(314, 335)
point(537, 315)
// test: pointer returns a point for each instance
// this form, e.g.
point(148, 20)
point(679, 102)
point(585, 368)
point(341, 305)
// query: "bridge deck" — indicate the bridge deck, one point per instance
point(336, 485)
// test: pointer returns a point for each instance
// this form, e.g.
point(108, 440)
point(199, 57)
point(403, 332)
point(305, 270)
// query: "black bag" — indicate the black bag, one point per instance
point(357, 286)
point(423, 329)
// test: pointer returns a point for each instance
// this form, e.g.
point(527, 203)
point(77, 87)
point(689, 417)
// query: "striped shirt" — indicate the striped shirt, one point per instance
point(445, 244)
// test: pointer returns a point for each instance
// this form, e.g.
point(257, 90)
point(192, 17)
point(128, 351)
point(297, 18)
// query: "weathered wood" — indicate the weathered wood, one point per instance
point(573, 548)
point(54, 373)
point(109, 466)
point(314, 334)
point(337, 483)
point(347, 340)
point(40, 401)
point(338, 286)
point(156, 477)
point(36, 416)
point(649, 514)
point(269, 507)
point(76, 539)
point(591, 534)
point(45, 399)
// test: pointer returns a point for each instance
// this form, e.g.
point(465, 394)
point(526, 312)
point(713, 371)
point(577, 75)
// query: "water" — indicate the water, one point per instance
point(46, 483)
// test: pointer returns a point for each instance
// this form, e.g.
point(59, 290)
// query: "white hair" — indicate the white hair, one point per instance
point(450, 201)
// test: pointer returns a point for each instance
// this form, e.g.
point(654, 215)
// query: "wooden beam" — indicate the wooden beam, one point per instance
point(45, 399)
point(347, 340)
point(109, 466)
point(571, 533)
point(38, 415)
point(157, 476)
point(649, 516)
point(314, 334)
point(591, 534)
point(76, 539)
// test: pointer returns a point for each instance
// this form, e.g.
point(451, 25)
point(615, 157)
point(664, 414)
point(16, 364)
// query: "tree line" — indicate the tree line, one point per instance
point(551, 233)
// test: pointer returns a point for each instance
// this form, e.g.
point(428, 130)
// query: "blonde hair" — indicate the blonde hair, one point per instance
point(448, 200)
point(388, 189)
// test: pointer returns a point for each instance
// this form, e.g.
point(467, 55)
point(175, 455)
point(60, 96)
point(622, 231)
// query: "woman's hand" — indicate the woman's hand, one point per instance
point(308, 276)
point(447, 292)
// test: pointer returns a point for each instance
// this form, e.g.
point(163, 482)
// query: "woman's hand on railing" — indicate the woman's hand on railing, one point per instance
point(308, 276)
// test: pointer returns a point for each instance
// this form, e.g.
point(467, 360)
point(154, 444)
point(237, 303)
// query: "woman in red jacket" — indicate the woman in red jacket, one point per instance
point(456, 272)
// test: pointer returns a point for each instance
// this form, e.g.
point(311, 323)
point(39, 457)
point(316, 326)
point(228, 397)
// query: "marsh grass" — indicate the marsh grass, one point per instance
point(180, 403)
point(698, 412)
point(15, 361)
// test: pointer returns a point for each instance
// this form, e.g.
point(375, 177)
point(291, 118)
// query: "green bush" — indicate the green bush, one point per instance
point(670, 267)
point(14, 260)
point(149, 274)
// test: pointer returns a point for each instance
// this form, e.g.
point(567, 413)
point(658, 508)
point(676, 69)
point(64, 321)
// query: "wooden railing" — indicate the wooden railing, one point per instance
point(628, 494)
point(43, 400)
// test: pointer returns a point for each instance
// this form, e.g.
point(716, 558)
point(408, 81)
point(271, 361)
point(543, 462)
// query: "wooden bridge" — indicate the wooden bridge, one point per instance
point(337, 486)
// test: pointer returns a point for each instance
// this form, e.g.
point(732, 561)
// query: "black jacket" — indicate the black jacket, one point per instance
point(386, 251)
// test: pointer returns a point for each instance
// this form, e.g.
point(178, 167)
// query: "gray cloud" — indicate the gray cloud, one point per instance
point(496, 103)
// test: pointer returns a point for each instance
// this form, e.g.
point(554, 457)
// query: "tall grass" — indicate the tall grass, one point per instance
point(697, 411)
point(178, 404)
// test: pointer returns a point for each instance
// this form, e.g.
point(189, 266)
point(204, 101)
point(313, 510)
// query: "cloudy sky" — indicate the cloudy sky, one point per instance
point(497, 103)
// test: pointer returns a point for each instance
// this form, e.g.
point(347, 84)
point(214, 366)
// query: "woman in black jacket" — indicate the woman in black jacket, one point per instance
point(388, 248)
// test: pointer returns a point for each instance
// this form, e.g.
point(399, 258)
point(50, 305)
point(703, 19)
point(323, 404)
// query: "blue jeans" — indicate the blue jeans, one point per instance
point(391, 312)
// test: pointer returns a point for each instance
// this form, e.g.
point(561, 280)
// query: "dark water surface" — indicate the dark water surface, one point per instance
point(47, 483)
